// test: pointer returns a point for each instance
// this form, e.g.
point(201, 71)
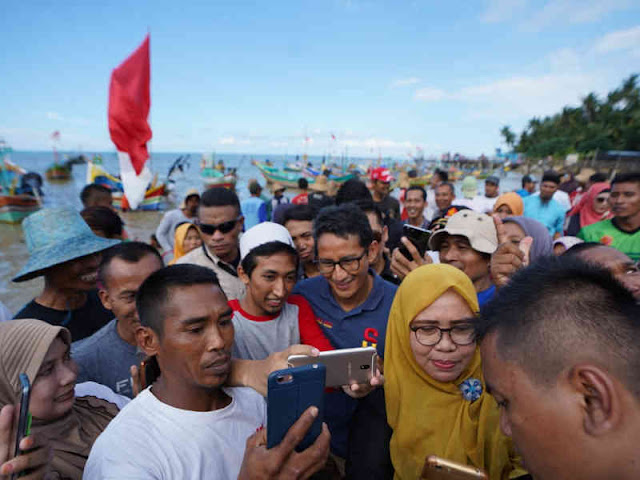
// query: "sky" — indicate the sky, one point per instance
point(385, 78)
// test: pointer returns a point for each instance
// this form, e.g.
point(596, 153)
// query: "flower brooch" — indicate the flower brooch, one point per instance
point(471, 389)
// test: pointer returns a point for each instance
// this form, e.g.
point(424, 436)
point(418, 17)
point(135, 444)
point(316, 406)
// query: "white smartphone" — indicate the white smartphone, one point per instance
point(346, 366)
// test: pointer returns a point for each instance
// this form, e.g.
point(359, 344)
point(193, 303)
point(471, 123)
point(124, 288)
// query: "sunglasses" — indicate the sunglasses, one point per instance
point(224, 227)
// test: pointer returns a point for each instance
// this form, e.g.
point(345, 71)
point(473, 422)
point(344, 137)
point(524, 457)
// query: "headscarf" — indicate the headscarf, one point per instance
point(180, 236)
point(429, 417)
point(585, 206)
point(511, 200)
point(23, 347)
point(469, 187)
point(568, 242)
point(542, 245)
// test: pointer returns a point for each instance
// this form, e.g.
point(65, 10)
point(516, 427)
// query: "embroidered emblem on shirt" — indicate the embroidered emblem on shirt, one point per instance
point(471, 389)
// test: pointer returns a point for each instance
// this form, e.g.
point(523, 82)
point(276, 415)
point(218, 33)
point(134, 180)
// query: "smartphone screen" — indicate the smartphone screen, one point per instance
point(24, 419)
point(419, 237)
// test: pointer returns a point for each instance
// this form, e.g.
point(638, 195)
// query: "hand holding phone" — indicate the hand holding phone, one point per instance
point(344, 367)
point(419, 237)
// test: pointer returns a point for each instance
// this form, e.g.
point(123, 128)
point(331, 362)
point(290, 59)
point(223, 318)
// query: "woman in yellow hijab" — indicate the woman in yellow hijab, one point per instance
point(187, 238)
point(509, 205)
point(434, 390)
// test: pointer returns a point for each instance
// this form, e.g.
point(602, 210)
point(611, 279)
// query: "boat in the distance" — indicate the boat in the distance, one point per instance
point(19, 191)
point(289, 178)
point(214, 174)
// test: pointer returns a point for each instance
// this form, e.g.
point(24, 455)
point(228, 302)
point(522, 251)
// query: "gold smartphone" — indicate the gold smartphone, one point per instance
point(436, 468)
point(345, 366)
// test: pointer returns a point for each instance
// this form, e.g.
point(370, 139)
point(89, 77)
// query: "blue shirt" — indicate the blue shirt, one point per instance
point(486, 295)
point(254, 211)
point(550, 214)
point(364, 326)
point(523, 193)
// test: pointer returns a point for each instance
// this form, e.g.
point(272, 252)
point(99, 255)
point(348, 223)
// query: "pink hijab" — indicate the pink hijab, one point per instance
point(585, 206)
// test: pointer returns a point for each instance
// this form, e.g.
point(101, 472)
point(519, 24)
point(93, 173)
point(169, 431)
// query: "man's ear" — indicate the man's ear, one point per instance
point(147, 340)
point(242, 275)
point(385, 236)
point(602, 407)
point(372, 254)
point(104, 298)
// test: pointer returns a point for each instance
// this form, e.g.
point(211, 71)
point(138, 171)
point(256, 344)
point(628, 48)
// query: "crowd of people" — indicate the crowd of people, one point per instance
point(509, 345)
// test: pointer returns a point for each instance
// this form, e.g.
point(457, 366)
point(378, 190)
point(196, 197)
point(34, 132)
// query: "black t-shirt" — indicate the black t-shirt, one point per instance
point(82, 322)
point(390, 207)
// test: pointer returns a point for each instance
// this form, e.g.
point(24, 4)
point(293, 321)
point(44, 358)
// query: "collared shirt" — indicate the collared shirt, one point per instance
point(550, 214)
point(609, 233)
point(231, 285)
point(523, 193)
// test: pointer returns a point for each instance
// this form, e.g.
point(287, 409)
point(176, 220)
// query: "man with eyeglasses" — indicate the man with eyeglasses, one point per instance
point(352, 303)
point(220, 222)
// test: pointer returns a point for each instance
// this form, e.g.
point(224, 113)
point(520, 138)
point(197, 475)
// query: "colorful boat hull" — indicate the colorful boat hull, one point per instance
point(15, 208)
point(212, 177)
point(290, 179)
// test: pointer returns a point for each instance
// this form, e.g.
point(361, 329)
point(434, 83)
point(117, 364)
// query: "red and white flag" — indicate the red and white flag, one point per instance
point(129, 103)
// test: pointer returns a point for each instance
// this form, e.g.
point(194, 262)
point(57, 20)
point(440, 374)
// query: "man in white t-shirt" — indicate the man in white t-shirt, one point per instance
point(187, 425)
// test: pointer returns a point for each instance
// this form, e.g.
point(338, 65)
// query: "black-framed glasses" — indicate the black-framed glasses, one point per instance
point(430, 335)
point(348, 264)
point(224, 227)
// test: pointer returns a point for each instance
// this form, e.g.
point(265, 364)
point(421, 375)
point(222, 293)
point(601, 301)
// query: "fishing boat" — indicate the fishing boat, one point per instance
point(58, 172)
point(154, 198)
point(290, 179)
point(212, 177)
point(15, 204)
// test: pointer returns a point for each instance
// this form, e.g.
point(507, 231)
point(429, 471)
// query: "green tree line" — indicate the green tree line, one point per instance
point(598, 124)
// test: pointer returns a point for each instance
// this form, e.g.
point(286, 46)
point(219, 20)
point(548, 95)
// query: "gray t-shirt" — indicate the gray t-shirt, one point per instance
point(106, 358)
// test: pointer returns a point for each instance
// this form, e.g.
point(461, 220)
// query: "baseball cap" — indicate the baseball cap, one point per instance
point(382, 174)
point(529, 179)
point(492, 179)
point(478, 228)
point(262, 233)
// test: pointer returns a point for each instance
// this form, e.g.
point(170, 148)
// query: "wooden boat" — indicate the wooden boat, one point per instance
point(14, 204)
point(154, 198)
point(290, 179)
point(212, 177)
point(58, 172)
point(15, 208)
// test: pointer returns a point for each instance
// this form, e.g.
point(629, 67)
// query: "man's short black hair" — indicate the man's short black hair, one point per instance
point(250, 262)
point(352, 190)
point(417, 188)
point(450, 185)
point(578, 248)
point(103, 219)
point(303, 184)
point(598, 177)
point(370, 207)
point(220, 197)
point(155, 291)
point(92, 191)
point(562, 310)
point(626, 178)
point(342, 221)
point(131, 252)
point(301, 213)
point(443, 174)
point(551, 176)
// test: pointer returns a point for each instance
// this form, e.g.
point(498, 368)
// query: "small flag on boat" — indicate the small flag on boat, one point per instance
point(129, 104)
point(55, 136)
point(333, 137)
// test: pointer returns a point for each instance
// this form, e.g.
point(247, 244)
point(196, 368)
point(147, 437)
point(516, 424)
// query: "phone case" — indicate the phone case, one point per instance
point(289, 393)
point(436, 468)
point(418, 237)
point(24, 420)
point(344, 366)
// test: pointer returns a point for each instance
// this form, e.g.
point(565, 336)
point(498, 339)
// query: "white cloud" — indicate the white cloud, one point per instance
point(502, 10)
point(628, 39)
point(556, 12)
point(227, 141)
point(564, 60)
point(54, 116)
point(375, 143)
point(429, 94)
point(405, 82)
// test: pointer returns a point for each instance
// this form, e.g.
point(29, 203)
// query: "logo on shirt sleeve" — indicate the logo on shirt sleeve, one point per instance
point(324, 323)
point(370, 337)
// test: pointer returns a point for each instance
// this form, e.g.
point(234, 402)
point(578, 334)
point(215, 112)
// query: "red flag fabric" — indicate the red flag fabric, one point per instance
point(55, 135)
point(129, 103)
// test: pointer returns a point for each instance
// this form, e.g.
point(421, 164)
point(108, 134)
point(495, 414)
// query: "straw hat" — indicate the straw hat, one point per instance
point(585, 173)
point(192, 192)
point(55, 236)
point(321, 184)
point(277, 186)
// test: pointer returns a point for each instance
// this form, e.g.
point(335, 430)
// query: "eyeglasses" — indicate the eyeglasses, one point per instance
point(224, 227)
point(348, 264)
point(430, 336)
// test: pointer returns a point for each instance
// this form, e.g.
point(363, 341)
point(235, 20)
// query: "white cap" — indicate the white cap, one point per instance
point(262, 233)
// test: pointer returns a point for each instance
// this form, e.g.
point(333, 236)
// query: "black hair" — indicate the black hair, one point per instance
point(352, 190)
point(303, 183)
point(254, 188)
point(560, 310)
point(250, 262)
point(443, 174)
point(155, 292)
point(626, 178)
point(450, 185)
point(220, 197)
point(598, 177)
point(551, 176)
point(526, 179)
point(342, 221)
point(368, 206)
point(416, 188)
point(103, 219)
point(90, 192)
point(578, 248)
point(301, 213)
point(131, 252)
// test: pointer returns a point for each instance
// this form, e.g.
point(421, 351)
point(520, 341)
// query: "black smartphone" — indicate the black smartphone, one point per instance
point(24, 419)
point(289, 393)
point(419, 237)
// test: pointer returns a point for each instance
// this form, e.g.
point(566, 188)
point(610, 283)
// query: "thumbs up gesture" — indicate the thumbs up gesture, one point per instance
point(509, 257)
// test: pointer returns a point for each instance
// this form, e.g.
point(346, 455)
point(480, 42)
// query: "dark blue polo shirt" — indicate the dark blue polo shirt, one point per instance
point(364, 326)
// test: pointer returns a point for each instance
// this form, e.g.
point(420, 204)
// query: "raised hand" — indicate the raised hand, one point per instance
point(401, 265)
point(508, 257)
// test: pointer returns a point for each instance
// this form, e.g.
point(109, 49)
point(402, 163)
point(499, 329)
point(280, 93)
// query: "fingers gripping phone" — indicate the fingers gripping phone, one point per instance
point(289, 393)
point(419, 237)
point(344, 367)
point(436, 468)
point(24, 418)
